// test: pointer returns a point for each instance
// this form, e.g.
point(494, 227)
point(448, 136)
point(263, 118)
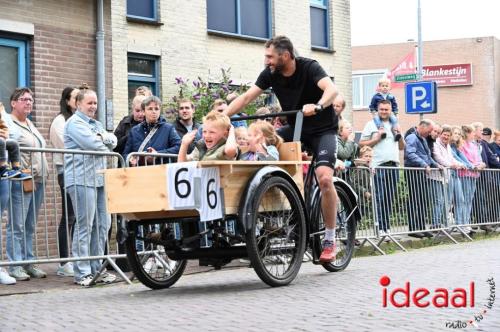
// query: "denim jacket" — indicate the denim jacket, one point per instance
point(81, 133)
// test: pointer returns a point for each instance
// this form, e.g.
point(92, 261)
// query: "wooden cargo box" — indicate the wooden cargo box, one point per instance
point(142, 192)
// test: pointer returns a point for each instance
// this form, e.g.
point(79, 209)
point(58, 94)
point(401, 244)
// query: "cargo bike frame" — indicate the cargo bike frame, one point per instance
point(269, 214)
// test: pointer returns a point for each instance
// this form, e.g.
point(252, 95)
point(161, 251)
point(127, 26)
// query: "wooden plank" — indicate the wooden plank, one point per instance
point(290, 151)
point(137, 189)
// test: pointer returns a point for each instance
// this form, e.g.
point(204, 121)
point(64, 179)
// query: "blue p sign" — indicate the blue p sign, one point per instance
point(421, 97)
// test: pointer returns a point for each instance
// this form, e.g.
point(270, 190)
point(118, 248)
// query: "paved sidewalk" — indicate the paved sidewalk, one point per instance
point(55, 282)
point(236, 300)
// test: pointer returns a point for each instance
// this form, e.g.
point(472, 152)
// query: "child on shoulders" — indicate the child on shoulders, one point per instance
point(263, 142)
point(384, 86)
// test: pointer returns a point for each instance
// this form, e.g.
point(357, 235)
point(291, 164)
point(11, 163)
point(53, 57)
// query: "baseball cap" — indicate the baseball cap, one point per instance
point(487, 131)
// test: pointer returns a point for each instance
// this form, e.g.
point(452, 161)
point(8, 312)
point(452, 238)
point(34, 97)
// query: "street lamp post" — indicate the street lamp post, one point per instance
point(420, 60)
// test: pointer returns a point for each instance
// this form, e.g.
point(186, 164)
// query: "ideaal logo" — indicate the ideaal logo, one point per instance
point(440, 298)
point(423, 297)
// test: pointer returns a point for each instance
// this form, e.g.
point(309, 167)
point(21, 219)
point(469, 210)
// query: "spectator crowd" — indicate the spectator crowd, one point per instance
point(442, 163)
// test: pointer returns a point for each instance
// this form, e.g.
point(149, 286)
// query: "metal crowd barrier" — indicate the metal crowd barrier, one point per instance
point(50, 209)
point(398, 201)
point(393, 202)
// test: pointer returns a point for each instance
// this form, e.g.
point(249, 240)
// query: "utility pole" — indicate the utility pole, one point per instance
point(420, 61)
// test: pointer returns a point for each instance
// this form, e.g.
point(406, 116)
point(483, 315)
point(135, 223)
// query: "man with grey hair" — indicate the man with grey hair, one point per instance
point(417, 154)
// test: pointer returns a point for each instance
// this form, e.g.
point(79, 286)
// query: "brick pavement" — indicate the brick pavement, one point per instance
point(235, 299)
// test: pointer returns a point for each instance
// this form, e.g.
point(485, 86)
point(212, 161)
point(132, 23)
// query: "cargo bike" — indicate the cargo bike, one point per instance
point(218, 211)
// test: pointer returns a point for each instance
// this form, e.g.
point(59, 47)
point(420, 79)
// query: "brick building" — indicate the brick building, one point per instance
point(156, 42)
point(56, 47)
point(48, 45)
point(460, 104)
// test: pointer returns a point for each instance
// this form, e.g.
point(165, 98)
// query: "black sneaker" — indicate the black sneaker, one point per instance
point(383, 135)
point(397, 137)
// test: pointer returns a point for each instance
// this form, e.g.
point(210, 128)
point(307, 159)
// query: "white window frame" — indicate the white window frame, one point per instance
point(360, 74)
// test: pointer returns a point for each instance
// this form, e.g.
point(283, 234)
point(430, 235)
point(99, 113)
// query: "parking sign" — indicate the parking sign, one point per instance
point(421, 97)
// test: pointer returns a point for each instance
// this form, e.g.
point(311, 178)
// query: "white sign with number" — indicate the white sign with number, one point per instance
point(211, 204)
point(183, 185)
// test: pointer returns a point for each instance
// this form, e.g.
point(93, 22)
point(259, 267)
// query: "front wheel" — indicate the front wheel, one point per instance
point(345, 230)
point(277, 237)
point(148, 261)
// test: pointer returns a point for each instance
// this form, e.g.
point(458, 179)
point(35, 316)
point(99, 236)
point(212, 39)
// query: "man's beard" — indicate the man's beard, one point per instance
point(278, 68)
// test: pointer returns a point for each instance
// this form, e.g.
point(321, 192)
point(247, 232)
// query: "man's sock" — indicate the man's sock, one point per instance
point(330, 234)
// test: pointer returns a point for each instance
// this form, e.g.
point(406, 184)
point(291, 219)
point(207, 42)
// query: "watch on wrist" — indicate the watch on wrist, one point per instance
point(318, 108)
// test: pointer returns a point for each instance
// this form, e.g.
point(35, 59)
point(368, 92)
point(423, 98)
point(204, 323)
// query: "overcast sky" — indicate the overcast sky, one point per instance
point(395, 21)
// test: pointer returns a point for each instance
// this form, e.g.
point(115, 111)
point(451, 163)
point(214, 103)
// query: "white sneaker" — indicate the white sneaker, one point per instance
point(382, 233)
point(106, 278)
point(66, 270)
point(5, 278)
point(85, 281)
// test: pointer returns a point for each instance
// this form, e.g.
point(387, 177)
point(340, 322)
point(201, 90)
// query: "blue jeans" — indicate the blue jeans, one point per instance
point(386, 181)
point(456, 196)
point(4, 196)
point(4, 203)
point(23, 210)
point(469, 188)
point(436, 189)
point(392, 119)
point(90, 229)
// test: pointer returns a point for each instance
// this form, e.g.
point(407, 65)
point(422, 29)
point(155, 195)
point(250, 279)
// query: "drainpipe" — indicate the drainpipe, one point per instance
point(101, 74)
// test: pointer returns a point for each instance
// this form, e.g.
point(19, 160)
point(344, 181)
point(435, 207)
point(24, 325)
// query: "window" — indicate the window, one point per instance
point(145, 10)
point(142, 71)
point(13, 66)
point(320, 32)
point(246, 18)
point(364, 86)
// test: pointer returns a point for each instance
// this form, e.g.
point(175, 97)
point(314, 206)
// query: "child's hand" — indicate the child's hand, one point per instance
point(188, 138)
point(231, 132)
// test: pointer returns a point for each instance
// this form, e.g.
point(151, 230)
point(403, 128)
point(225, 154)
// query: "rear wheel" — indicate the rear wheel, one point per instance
point(276, 239)
point(345, 230)
point(148, 261)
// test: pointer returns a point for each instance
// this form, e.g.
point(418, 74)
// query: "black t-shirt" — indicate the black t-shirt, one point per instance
point(299, 89)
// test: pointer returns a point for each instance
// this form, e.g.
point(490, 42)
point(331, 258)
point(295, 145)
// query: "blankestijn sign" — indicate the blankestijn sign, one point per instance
point(449, 75)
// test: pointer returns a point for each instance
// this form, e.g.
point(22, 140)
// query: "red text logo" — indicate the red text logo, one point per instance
point(422, 297)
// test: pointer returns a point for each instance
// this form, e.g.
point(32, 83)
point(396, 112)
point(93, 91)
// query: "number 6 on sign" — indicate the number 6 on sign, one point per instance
point(211, 205)
point(183, 186)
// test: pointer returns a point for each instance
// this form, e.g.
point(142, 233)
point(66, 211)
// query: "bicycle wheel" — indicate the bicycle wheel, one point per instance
point(345, 230)
point(276, 240)
point(148, 261)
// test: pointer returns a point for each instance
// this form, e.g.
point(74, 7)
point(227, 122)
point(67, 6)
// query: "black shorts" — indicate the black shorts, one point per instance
point(323, 145)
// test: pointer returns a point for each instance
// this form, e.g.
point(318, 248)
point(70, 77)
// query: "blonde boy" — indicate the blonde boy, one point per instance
point(218, 142)
point(384, 86)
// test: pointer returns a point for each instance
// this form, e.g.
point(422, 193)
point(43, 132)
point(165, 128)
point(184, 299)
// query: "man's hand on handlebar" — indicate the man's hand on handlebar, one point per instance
point(309, 109)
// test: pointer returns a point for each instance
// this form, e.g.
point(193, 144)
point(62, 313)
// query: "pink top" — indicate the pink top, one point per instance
point(443, 155)
point(471, 152)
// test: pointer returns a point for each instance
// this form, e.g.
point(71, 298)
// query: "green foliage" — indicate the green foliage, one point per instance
point(203, 93)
